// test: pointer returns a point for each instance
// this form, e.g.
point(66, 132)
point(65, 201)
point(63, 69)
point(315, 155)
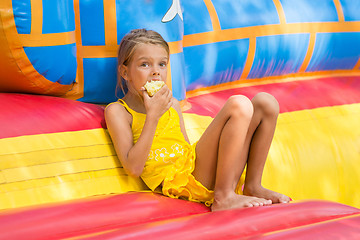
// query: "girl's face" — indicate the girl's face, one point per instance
point(148, 63)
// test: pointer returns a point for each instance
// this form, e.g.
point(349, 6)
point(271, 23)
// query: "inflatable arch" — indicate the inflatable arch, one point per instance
point(58, 69)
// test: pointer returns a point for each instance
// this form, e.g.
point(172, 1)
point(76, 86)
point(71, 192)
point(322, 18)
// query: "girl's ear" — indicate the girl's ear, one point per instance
point(123, 72)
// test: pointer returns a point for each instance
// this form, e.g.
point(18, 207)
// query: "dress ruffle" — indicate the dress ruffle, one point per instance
point(180, 183)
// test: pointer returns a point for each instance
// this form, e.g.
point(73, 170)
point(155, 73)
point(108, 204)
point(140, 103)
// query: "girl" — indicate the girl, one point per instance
point(150, 140)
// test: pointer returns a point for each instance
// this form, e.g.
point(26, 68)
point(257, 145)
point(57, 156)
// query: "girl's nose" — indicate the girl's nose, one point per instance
point(156, 72)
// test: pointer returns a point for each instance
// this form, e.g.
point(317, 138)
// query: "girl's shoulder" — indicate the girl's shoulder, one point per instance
point(117, 110)
point(115, 106)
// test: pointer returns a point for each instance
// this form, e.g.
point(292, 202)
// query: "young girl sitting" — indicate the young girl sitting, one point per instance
point(150, 139)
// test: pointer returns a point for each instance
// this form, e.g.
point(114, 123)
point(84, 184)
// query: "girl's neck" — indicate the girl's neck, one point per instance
point(135, 102)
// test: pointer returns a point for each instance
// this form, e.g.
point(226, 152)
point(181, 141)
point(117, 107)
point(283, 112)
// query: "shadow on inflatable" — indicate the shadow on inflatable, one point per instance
point(59, 174)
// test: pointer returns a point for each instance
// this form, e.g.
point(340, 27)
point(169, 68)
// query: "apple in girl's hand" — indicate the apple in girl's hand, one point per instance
point(153, 86)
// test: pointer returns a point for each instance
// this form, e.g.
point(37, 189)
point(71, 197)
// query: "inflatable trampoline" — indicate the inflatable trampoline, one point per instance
point(59, 174)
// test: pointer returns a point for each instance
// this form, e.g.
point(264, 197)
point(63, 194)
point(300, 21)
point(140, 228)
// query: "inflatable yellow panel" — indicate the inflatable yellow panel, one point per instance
point(315, 155)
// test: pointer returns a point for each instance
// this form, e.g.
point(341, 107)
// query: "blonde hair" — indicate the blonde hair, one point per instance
point(129, 44)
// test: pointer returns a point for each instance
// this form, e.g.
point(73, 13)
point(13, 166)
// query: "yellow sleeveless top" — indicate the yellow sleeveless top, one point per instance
point(171, 159)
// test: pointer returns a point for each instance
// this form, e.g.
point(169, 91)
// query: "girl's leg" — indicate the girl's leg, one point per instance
point(219, 163)
point(257, 145)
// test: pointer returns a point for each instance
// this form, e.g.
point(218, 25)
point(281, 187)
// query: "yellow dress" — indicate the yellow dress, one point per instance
point(171, 160)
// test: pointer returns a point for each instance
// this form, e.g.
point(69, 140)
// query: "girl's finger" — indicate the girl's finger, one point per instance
point(145, 94)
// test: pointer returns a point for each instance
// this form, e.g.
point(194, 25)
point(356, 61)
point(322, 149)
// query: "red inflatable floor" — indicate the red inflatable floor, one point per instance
point(152, 216)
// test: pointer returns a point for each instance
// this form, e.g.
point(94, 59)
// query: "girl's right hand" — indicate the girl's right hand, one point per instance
point(158, 104)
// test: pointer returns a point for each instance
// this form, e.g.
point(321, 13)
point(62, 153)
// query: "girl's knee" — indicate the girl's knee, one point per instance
point(266, 103)
point(240, 106)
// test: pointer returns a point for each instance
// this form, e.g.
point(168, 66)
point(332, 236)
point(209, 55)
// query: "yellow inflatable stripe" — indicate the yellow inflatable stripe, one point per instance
point(175, 47)
point(339, 10)
point(41, 142)
point(213, 15)
point(268, 30)
point(111, 50)
point(77, 90)
point(23, 159)
point(70, 190)
point(56, 179)
point(110, 23)
point(36, 16)
point(60, 168)
point(250, 58)
point(309, 53)
point(48, 39)
point(280, 11)
point(315, 154)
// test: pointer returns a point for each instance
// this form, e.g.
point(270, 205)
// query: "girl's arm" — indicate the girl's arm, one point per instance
point(119, 121)
point(176, 106)
point(134, 156)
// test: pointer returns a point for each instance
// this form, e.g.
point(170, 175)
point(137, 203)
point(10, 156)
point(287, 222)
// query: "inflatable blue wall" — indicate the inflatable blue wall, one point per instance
point(74, 43)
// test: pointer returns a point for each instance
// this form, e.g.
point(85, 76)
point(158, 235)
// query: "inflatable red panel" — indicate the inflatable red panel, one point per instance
point(36, 114)
point(292, 96)
point(153, 216)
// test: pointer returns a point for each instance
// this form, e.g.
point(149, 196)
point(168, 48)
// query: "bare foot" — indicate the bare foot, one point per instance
point(234, 200)
point(262, 192)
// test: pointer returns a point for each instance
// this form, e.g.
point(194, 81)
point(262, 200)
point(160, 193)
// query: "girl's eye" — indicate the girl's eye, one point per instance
point(144, 64)
point(163, 64)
